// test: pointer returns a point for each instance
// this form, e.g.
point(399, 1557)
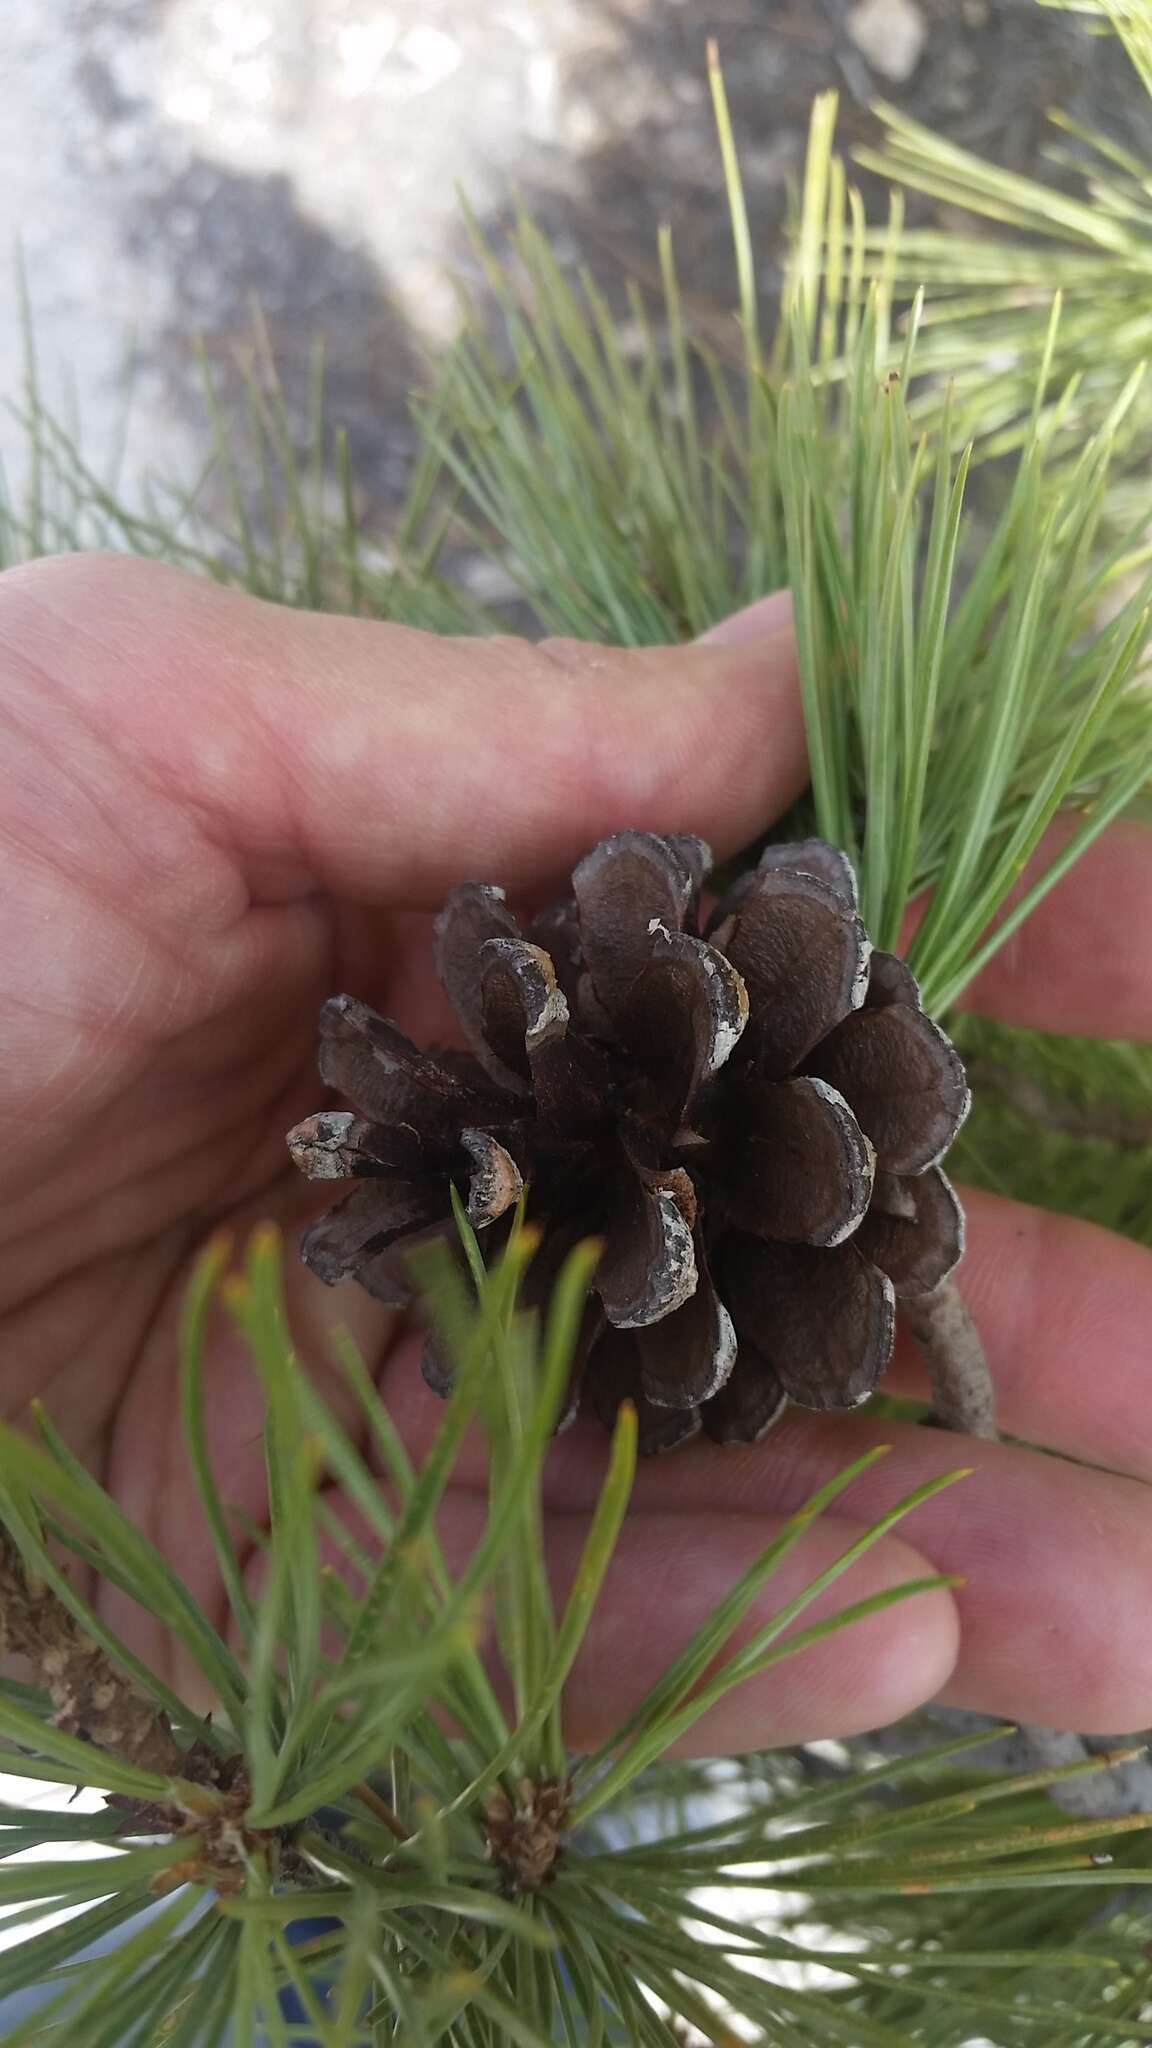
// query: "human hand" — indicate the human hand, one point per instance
point(215, 814)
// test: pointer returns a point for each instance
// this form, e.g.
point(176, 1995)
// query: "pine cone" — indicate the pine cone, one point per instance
point(751, 1121)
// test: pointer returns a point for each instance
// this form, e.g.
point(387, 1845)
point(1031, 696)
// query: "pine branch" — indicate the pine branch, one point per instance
point(90, 1697)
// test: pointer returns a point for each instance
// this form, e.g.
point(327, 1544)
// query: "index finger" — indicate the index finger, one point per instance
point(383, 763)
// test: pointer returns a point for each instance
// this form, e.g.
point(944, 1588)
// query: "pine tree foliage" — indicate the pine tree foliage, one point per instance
point(966, 676)
point(1086, 233)
point(360, 1813)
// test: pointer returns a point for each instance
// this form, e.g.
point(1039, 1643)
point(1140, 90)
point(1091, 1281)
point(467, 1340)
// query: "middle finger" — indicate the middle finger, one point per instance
point(1056, 1558)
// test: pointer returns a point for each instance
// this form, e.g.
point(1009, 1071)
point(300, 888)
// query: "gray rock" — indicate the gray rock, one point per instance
point(891, 34)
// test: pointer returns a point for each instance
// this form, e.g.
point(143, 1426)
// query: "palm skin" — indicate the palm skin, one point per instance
point(215, 814)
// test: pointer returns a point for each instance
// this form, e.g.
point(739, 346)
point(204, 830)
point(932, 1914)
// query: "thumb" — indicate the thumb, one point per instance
point(384, 763)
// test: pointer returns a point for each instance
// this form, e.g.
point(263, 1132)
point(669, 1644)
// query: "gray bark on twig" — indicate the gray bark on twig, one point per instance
point(962, 1393)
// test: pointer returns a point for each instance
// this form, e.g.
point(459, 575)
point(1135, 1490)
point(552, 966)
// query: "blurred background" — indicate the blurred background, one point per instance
point(165, 163)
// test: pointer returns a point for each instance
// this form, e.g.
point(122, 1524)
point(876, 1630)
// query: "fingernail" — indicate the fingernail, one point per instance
point(759, 621)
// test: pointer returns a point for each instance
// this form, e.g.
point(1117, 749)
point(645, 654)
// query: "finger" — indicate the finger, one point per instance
point(1083, 960)
point(1064, 1309)
point(1056, 1558)
point(1065, 1312)
point(667, 1576)
point(385, 763)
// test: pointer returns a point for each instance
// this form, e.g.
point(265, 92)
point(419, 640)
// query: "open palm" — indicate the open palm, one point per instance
point(214, 814)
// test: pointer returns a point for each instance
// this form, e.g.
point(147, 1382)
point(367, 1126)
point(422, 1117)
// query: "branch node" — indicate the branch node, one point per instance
point(525, 1834)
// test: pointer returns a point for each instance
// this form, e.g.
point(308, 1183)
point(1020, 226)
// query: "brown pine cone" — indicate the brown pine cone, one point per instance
point(751, 1121)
